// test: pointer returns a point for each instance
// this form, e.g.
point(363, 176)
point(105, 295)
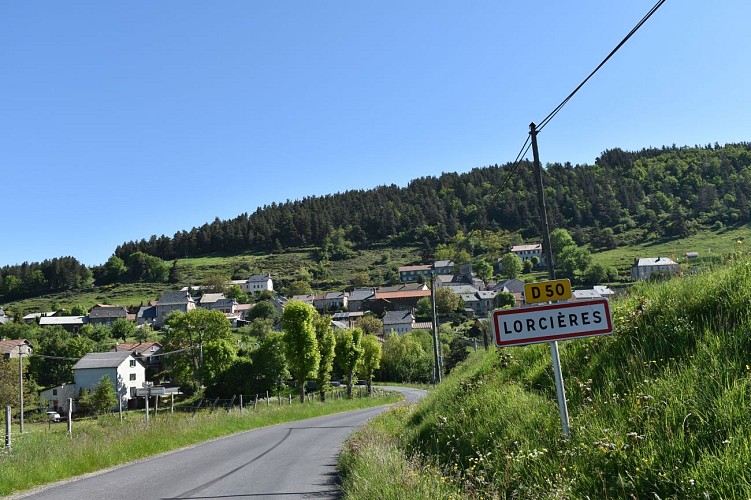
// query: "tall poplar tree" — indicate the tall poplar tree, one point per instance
point(300, 344)
point(326, 344)
point(348, 353)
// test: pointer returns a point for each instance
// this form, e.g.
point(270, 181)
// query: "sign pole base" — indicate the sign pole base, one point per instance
point(559, 389)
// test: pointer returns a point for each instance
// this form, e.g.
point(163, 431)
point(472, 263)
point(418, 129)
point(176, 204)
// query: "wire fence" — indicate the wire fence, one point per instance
point(161, 404)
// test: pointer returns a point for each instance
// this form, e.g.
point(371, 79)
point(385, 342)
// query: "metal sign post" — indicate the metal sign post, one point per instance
point(559, 389)
point(550, 323)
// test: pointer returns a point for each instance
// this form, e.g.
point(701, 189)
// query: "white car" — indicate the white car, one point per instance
point(53, 415)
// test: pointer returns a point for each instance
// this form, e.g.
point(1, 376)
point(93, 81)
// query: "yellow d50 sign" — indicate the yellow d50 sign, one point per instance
point(547, 291)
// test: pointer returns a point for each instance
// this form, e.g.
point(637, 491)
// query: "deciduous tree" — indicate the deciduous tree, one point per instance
point(348, 353)
point(300, 344)
point(326, 343)
point(206, 338)
point(371, 359)
point(511, 265)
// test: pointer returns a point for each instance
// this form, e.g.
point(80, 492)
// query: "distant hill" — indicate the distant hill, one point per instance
point(624, 198)
point(666, 192)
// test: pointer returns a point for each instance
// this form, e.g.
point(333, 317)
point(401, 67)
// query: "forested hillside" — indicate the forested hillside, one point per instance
point(666, 192)
point(624, 198)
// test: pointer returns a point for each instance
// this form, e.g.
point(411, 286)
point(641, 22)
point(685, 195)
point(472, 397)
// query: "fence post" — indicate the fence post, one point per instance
point(241, 402)
point(290, 399)
point(195, 410)
point(255, 403)
point(7, 427)
point(70, 417)
point(268, 403)
point(231, 403)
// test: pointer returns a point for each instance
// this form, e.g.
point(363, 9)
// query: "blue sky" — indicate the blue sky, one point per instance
point(119, 120)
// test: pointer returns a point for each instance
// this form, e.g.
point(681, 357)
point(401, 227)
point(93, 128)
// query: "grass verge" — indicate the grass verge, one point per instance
point(658, 410)
point(49, 455)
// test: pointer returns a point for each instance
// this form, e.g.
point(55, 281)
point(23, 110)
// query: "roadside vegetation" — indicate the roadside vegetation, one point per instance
point(658, 410)
point(45, 453)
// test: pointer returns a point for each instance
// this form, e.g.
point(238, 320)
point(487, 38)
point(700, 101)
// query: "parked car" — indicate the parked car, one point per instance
point(53, 415)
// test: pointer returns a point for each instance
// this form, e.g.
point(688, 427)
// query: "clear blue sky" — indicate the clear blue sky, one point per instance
point(119, 120)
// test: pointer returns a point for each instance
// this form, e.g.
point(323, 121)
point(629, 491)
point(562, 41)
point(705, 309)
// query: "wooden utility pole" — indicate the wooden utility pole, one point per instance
point(541, 202)
point(20, 387)
point(437, 375)
point(559, 388)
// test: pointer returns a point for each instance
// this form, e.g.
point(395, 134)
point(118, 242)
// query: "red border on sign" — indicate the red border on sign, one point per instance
point(550, 338)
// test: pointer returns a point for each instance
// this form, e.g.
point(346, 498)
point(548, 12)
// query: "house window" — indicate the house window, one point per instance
point(132, 363)
point(54, 392)
point(132, 377)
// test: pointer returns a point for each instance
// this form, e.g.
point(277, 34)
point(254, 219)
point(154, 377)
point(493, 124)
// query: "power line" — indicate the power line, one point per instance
point(62, 358)
point(512, 170)
point(552, 114)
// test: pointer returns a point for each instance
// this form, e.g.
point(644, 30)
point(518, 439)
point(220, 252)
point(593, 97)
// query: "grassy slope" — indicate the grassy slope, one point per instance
point(282, 266)
point(658, 410)
point(712, 246)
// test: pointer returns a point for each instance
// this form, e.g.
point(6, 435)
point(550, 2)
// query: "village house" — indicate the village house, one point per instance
point(172, 301)
point(410, 274)
point(398, 322)
point(332, 301)
point(526, 252)
point(150, 354)
point(57, 397)
point(102, 314)
point(125, 371)
point(646, 267)
point(217, 302)
point(397, 298)
point(358, 299)
point(258, 283)
point(443, 267)
point(71, 324)
point(15, 348)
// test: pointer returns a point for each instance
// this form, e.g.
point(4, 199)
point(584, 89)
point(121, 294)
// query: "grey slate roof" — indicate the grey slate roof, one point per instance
point(103, 311)
point(101, 360)
point(181, 297)
point(210, 298)
point(361, 294)
point(259, 278)
point(397, 317)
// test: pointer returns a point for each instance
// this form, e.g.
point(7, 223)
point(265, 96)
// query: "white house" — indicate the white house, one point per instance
point(644, 268)
point(126, 373)
point(57, 397)
point(258, 283)
point(526, 252)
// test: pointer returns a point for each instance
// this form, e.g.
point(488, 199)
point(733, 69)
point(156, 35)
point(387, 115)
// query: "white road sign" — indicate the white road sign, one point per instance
point(529, 325)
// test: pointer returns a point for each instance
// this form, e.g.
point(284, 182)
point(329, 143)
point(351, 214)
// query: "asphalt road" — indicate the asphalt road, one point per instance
point(292, 460)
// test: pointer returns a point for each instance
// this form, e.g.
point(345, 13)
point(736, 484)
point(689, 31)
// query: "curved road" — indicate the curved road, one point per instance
point(291, 460)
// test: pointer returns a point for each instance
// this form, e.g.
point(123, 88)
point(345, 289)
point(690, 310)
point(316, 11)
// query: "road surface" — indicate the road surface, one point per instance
point(292, 460)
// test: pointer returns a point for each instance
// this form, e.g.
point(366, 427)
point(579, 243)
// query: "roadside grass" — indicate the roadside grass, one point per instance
point(658, 410)
point(46, 454)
